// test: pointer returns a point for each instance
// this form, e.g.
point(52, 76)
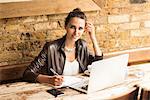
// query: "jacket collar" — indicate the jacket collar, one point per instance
point(62, 43)
point(78, 48)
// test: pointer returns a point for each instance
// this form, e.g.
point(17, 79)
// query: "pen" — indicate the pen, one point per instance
point(54, 71)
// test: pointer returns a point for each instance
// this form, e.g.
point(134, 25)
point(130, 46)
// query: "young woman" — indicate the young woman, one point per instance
point(66, 56)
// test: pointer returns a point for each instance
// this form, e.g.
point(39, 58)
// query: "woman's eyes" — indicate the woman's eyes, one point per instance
point(80, 28)
point(73, 27)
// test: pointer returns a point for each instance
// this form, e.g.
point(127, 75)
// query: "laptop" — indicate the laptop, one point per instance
point(104, 74)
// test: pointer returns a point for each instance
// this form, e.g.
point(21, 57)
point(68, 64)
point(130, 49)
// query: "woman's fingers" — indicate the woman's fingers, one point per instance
point(89, 27)
point(57, 80)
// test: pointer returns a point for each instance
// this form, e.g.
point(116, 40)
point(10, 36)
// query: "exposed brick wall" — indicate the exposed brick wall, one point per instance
point(120, 25)
point(23, 38)
point(128, 24)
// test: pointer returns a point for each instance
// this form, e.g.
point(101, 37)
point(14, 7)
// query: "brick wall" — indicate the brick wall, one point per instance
point(128, 24)
point(120, 25)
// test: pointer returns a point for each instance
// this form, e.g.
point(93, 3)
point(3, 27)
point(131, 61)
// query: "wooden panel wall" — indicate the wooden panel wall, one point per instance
point(6, 1)
point(100, 3)
point(136, 56)
point(41, 7)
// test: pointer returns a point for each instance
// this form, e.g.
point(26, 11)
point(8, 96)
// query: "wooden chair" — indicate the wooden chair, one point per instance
point(145, 91)
point(145, 94)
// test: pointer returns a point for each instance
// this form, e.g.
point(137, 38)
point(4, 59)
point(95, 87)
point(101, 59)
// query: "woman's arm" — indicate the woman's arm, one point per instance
point(32, 73)
point(91, 30)
point(33, 70)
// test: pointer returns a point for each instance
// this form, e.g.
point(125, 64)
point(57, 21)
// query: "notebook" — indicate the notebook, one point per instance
point(105, 73)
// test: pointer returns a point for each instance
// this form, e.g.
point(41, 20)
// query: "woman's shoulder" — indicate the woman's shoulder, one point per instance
point(82, 42)
point(51, 42)
point(54, 43)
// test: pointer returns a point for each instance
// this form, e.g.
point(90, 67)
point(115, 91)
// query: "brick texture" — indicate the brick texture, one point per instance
point(120, 25)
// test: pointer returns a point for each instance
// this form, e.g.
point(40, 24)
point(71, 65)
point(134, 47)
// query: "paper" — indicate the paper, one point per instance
point(72, 81)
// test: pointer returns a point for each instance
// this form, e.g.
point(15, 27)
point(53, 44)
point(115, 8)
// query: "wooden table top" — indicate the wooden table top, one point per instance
point(35, 91)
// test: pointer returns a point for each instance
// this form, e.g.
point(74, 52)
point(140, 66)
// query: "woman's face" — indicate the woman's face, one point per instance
point(75, 28)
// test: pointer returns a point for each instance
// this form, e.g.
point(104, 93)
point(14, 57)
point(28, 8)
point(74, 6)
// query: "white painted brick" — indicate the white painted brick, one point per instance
point(135, 33)
point(140, 33)
point(147, 24)
point(141, 16)
point(41, 18)
point(128, 26)
point(28, 19)
point(118, 18)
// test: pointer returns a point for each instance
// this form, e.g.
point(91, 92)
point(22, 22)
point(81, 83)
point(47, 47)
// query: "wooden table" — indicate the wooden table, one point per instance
point(30, 91)
point(36, 91)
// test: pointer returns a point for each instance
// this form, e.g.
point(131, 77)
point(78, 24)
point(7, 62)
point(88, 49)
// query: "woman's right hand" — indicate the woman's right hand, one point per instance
point(55, 80)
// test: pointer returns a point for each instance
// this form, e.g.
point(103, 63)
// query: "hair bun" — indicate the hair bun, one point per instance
point(77, 10)
point(75, 13)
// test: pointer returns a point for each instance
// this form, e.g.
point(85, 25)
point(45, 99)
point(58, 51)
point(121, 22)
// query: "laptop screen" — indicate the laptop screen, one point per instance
point(108, 72)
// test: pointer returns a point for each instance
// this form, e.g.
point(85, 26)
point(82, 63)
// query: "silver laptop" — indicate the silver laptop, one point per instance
point(105, 73)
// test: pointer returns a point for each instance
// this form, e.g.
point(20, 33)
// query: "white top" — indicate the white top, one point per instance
point(71, 68)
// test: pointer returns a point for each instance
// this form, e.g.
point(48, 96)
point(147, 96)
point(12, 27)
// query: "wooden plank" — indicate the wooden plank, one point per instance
point(43, 7)
point(100, 3)
point(12, 72)
point(20, 87)
point(33, 91)
point(139, 55)
point(6, 1)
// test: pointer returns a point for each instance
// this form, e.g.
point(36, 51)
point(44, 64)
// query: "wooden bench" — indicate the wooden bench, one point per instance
point(12, 73)
point(136, 56)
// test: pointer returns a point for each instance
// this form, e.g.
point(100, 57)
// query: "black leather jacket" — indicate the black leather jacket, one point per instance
point(53, 56)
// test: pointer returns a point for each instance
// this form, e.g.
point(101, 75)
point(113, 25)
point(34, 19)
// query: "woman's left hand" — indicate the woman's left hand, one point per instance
point(90, 29)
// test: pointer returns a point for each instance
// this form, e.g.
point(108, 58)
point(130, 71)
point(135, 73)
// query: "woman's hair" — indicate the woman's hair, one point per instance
point(75, 13)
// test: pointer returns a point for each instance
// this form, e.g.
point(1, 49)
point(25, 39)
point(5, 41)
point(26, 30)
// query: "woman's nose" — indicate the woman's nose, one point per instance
point(76, 31)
